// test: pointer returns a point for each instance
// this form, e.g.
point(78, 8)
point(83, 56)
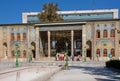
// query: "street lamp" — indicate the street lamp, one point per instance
point(16, 55)
point(66, 64)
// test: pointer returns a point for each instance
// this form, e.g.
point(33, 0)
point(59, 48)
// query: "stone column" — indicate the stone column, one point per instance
point(93, 41)
point(72, 40)
point(49, 44)
point(28, 41)
point(37, 42)
point(84, 42)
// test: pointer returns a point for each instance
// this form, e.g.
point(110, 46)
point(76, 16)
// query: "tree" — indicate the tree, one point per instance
point(49, 13)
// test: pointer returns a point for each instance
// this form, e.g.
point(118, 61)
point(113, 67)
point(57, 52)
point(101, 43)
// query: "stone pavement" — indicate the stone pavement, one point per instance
point(78, 71)
point(28, 73)
point(87, 71)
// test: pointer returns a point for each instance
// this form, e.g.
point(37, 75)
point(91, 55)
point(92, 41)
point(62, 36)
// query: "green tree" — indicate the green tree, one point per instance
point(49, 13)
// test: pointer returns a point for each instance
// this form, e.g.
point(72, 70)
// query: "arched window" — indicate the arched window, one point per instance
point(12, 37)
point(18, 36)
point(112, 33)
point(112, 52)
point(24, 36)
point(12, 53)
point(105, 52)
point(105, 33)
point(98, 34)
point(98, 51)
point(24, 53)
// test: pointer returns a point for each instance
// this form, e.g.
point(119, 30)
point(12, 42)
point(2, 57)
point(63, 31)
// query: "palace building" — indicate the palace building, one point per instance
point(90, 33)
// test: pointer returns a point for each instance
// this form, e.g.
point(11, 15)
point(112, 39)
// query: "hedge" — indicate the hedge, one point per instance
point(113, 64)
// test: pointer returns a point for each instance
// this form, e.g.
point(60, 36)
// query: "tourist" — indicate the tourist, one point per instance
point(72, 57)
point(57, 57)
point(78, 57)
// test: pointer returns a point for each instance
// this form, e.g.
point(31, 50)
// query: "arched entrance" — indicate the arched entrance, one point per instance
point(61, 45)
point(89, 49)
point(33, 49)
point(5, 50)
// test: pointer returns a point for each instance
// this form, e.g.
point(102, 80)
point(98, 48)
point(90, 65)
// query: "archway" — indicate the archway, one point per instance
point(61, 45)
point(33, 49)
point(89, 49)
point(5, 50)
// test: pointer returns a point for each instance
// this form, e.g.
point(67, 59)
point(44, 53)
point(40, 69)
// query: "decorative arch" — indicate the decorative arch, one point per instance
point(24, 53)
point(112, 33)
point(112, 51)
point(98, 51)
point(105, 33)
point(98, 34)
point(33, 48)
point(89, 49)
point(105, 52)
point(5, 49)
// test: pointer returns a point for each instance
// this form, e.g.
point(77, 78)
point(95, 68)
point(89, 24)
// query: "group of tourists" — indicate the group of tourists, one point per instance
point(62, 57)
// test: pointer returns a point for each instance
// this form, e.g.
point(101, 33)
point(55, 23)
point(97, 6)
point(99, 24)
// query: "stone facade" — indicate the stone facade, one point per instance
point(101, 37)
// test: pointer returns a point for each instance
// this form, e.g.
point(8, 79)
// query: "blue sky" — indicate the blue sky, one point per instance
point(11, 10)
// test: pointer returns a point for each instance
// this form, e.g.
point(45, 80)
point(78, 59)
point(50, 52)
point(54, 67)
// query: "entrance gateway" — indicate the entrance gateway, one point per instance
point(51, 39)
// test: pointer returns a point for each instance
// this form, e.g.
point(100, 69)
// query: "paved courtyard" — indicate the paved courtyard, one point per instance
point(94, 71)
point(78, 71)
point(28, 73)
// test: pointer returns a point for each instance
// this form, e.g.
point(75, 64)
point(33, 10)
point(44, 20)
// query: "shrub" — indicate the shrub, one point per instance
point(113, 63)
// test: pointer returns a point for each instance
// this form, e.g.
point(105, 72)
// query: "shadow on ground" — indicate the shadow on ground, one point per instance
point(110, 73)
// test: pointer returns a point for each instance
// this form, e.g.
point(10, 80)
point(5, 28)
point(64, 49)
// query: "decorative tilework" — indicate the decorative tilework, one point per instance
point(105, 43)
point(104, 26)
point(88, 31)
point(32, 34)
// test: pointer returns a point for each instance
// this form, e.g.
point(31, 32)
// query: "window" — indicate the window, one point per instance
point(98, 34)
point(12, 37)
point(112, 25)
point(24, 36)
point(105, 52)
point(98, 51)
point(12, 53)
point(105, 34)
point(24, 53)
point(18, 36)
point(112, 52)
point(112, 33)
point(98, 25)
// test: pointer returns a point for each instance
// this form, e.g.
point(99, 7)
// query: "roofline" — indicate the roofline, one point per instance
point(76, 11)
point(62, 22)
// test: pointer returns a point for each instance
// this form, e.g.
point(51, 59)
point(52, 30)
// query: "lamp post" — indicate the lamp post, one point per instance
point(66, 64)
point(16, 54)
